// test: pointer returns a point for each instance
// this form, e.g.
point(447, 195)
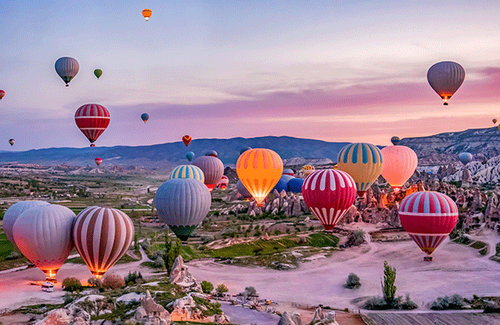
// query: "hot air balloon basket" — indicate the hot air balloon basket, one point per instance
point(428, 258)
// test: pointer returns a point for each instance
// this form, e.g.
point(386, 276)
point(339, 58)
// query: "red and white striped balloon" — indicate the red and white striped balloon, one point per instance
point(102, 236)
point(92, 120)
point(428, 217)
point(329, 194)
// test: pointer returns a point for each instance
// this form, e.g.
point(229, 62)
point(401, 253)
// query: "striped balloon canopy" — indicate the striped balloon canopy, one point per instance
point(224, 181)
point(259, 171)
point(363, 161)
point(102, 236)
point(182, 204)
point(445, 78)
point(428, 217)
point(400, 163)
point(212, 168)
point(67, 68)
point(329, 194)
point(187, 171)
point(92, 120)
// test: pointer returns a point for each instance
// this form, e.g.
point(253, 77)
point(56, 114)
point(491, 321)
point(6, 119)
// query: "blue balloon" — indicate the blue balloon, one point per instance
point(145, 117)
point(395, 140)
point(282, 183)
point(244, 149)
point(465, 157)
point(189, 155)
point(212, 153)
point(295, 185)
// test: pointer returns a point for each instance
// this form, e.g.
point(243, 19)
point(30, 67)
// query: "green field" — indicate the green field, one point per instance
point(6, 246)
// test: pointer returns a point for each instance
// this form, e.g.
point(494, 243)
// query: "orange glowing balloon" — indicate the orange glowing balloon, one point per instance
point(146, 13)
point(400, 163)
point(186, 139)
point(259, 170)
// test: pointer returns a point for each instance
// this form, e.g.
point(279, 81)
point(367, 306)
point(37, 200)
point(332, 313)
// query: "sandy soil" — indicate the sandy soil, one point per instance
point(455, 269)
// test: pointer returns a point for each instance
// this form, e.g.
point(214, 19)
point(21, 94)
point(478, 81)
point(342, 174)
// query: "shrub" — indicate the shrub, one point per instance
point(277, 232)
point(113, 281)
point(221, 289)
point(453, 302)
point(72, 284)
point(159, 262)
point(355, 239)
point(353, 281)
point(133, 278)
point(206, 286)
point(93, 282)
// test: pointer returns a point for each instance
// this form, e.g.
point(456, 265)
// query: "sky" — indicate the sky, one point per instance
point(346, 71)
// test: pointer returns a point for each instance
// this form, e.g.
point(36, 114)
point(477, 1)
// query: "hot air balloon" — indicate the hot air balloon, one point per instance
point(400, 163)
point(445, 78)
point(145, 117)
point(102, 236)
point(98, 73)
point(307, 169)
point(288, 171)
point(189, 155)
point(395, 140)
point(493, 120)
point(329, 194)
point(147, 13)
point(15, 211)
point(43, 235)
point(2, 93)
point(363, 161)
point(242, 190)
point(67, 68)
point(92, 120)
point(282, 184)
point(212, 168)
point(295, 185)
point(12, 141)
point(244, 149)
point(259, 170)
point(182, 204)
point(212, 153)
point(186, 139)
point(187, 171)
point(223, 182)
point(465, 157)
point(428, 217)
point(98, 161)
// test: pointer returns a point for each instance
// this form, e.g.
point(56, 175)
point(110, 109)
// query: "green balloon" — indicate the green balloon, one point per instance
point(98, 73)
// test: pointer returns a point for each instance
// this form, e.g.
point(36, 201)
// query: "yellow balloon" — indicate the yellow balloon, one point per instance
point(259, 170)
point(308, 169)
point(363, 161)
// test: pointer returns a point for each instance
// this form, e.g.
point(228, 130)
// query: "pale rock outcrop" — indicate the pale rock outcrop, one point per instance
point(151, 313)
point(181, 276)
point(286, 319)
point(320, 318)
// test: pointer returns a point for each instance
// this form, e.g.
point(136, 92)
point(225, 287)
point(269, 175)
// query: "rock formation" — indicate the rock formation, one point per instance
point(151, 313)
point(181, 276)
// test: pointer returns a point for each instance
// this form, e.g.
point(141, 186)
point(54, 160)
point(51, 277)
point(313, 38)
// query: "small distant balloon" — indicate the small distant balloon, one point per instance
point(465, 157)
point(67, 68)
point(244, 149)
point(445, 78)
point(98, 73)
point(98, 161)
point(212, 153)
point(12, 141)
point(186, 139)
point(395, 140)
point(189, 155)
point(147, 13)
point(145, 117)
point(2, 93)
point(493, 120)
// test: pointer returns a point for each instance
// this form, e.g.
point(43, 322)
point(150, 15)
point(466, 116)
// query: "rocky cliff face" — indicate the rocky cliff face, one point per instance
point(443, 148)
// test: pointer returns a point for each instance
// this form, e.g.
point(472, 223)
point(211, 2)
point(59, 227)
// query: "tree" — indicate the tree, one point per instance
point(206, 286)
point(221, 289)
point(172, 250)
point(159, 262)
point(72, 284)
point(388, 286)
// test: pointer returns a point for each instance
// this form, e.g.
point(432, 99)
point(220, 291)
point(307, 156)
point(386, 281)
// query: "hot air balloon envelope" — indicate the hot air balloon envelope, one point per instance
point(400, 163)
point(428, 217)
point(223, 182)
point(188, 171)
point(259, 170)
point(244, 149)
point(15, 211)
point(465, 157)
point(12, 141)
point(186, 139)
point(146, 13)
point(363, 161)
point(98, 73)
point(212, 168)
point(2, 93)
point(189, 155)
point(282, 184)
point(145, 117)
point(445, 78)
point(329, 194)
point(92, 120)
point(98, 161)
point(295, 185)
point(67, 68)
point(212, 153)
point(288, 171)
point(395, 140)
